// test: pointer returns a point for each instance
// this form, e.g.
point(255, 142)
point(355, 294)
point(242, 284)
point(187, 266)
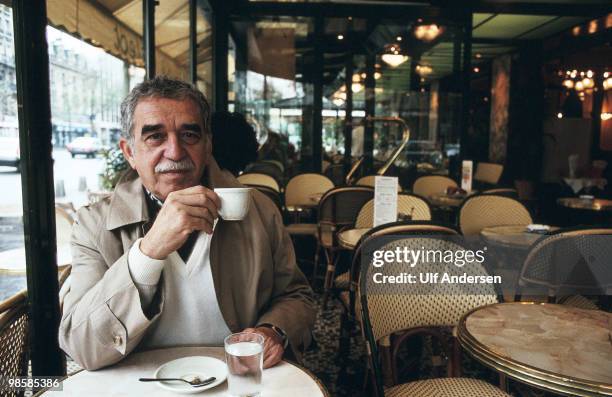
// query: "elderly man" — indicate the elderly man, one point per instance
point(154, 266)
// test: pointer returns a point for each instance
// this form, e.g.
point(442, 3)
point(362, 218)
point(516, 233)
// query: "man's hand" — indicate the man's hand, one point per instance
point(273, 345)
point(183, 212)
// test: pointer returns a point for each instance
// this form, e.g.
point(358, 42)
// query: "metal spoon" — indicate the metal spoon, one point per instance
point(195, 382)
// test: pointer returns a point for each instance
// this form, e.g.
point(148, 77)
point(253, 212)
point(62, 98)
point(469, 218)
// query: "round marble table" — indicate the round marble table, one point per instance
point(586, 204)
point(511, 236)
point(285, 379)
point(349, 238)
point(553, 347)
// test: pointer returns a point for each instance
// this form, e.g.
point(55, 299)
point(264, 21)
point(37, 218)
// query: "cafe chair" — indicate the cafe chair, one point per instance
point(272, 168)
point(488, 173)
point(370, 180)
point(335, 172)
point(409, 207)
point(272, 194)
point(398, 311)
point(568, 265)
point(14, 347)
point(506, 192)
point(375, 237)
point(484, 210)
point(432, 184)
point(259, 179)
point(337, 210)
point(305, 189)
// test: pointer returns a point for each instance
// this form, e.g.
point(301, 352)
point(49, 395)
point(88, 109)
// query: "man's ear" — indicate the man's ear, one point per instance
point(127, 152)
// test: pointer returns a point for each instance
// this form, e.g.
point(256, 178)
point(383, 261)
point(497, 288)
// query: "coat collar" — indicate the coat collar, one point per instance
point(128, 205)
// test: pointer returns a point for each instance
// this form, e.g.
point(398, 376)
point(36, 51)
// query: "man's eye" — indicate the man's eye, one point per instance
point(190, 137)
point(157, 136)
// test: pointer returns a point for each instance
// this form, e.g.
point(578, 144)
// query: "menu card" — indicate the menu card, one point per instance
point(385, 200)
point(466, 175)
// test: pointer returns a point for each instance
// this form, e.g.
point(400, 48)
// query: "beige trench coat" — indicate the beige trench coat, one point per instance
point(253, 266)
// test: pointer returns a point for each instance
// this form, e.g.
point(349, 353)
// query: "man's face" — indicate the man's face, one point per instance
point(171, 148)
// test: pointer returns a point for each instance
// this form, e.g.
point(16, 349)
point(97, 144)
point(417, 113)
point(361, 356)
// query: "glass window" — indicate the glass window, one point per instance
point(12, 253)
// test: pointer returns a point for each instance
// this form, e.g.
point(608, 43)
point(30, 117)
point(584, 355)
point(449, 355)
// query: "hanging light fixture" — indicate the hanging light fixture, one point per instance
point(423, 70)
point(392, 55)
point(427, 32)
point(568, 83)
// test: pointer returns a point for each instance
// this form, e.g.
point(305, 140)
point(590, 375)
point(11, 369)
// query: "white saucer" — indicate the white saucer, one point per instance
point(189, 367)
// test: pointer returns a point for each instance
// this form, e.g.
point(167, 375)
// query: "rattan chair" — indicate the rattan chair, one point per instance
point(337, 210)
point(301, 189)
point(488, 173)
point(568, 265)
point(271, 168)
point(370, 180)
point(374, 237)
point(335, 172)
point(272, 194)
point(14, 345)
point(259, 180)
point(506, 192)
point(409, 207)
point(484, 210)
point(432, 184)
point(398, 311)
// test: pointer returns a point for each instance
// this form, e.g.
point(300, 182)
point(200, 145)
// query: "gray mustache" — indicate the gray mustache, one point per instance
point(182, 165)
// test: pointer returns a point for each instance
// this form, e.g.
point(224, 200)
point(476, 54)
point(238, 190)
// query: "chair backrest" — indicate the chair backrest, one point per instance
point(335, 172)
point(432, 184)
point(63, 226)
point(569, 262)
point(339, 206)
point(14, 347)
point(301, 188)
point(484, 210)
point(407, 205)
point(506, 192)
point(255, 178)
point(370, 180)
point(401, 228)
point(272, 194)
point(273, 169)
point(64, 282)
point(488, 172)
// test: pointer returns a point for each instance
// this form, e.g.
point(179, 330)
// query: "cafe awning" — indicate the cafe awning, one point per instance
point(116, 26)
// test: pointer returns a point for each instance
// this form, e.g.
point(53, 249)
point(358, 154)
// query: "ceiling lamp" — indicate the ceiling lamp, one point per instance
point(356, 87)
point(568, 83)
point(392, 55)
point(427, 32)
point(579, 86)
point(338, 102)
point(424, 70)
point(588, 83)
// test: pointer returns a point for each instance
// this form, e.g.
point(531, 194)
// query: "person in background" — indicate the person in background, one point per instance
point(234, 141)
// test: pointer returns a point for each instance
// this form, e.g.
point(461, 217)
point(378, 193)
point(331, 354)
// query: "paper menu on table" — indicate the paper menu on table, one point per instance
point(385, 200)
point(466, 175)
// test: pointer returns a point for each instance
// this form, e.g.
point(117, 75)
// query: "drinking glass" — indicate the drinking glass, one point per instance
point(244, 357)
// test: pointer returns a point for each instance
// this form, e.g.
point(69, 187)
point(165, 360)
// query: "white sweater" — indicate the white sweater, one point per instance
point(191, 314)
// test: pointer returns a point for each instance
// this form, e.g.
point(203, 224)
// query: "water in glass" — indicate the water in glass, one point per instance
point(244, 356)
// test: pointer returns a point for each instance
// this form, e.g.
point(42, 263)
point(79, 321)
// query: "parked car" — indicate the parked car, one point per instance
point(9, 152)
point(86, 145)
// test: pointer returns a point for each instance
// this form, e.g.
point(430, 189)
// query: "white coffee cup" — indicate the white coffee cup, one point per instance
point(235, 202)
